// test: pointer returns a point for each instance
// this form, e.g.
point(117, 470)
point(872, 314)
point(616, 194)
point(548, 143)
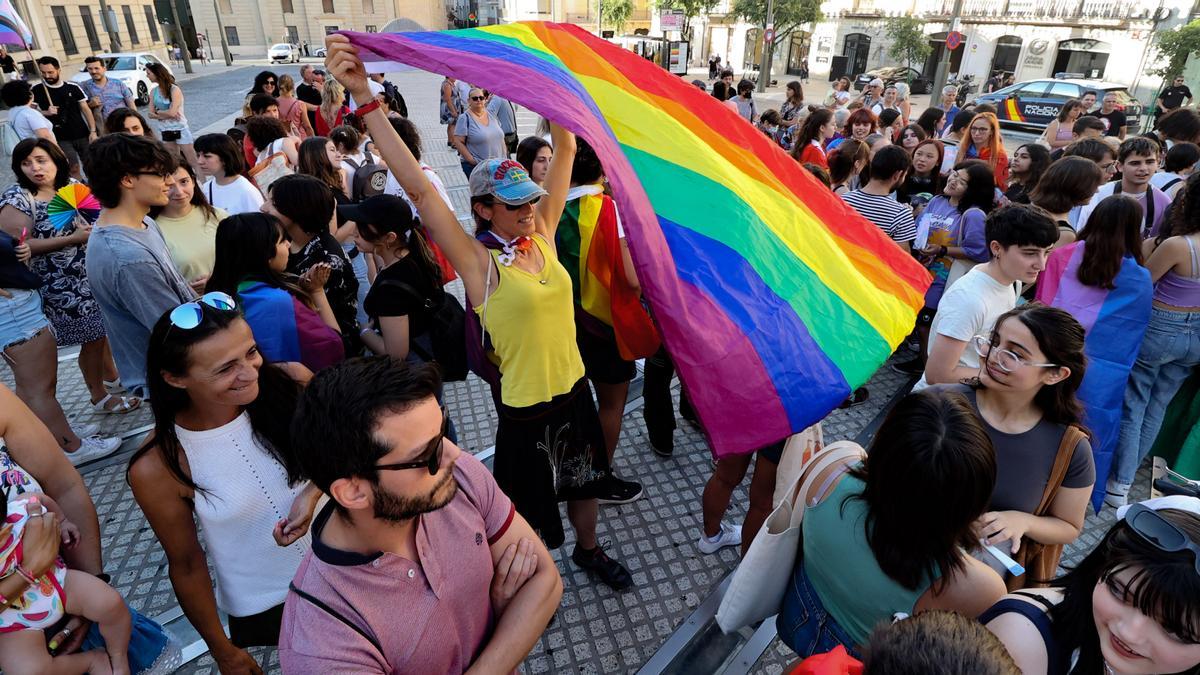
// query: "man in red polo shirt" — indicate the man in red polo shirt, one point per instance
point(419, 562)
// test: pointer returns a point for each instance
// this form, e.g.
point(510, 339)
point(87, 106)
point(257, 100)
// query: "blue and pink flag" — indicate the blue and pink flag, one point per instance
point(13, 30)
point(286, 329)
point(1115, 321)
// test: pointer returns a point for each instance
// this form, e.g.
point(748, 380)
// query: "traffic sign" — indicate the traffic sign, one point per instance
point(769, 36)
point(953, 40)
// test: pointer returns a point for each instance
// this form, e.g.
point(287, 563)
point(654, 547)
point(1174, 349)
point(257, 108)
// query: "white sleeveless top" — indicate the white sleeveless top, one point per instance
point(246, 493)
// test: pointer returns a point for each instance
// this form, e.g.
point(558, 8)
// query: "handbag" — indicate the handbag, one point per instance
point(797, 452)
point(756, 590)
point(1041, 560)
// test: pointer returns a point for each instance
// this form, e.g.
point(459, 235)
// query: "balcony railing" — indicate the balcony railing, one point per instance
point(1038, 10)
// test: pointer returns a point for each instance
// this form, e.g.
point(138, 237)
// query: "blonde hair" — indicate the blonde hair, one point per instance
point(333, 96)
point(286, 87)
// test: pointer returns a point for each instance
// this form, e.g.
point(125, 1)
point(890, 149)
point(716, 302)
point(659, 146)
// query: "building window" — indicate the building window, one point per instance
point(543, 7)
point(293, 35)
point(133, 36)
point(368, 6)
point(286, 5)
point(372, 29)
point(327, 6)
point(89, 27)
point(226, 7)
point(152, 22)
point(329, 30)
point(64, 29)
point(231, 36)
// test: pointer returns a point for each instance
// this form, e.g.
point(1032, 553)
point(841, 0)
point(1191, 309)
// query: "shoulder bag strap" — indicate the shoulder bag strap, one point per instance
point(1062, 460)
point(833, 453)
point(337, 615)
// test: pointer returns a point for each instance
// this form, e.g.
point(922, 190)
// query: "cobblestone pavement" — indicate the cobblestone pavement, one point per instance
point(596, 630)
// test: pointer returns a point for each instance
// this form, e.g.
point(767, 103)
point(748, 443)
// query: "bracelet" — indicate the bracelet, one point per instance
point(364, 109)
point(26, 576)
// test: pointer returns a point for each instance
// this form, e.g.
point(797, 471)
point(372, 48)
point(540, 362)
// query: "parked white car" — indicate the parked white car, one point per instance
point(130, 68)
point(284, 53)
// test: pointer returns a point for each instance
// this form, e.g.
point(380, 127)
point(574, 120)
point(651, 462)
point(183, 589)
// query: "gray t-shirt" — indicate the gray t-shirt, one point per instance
point(135, 282)
point(483, 142)
point(26, 121)
point(1024, 461)
point(503, 111)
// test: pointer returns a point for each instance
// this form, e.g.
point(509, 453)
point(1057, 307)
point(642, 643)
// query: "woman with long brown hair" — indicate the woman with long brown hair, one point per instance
point(166, 106)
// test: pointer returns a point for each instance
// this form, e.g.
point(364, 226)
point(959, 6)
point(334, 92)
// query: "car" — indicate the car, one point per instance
point(284, 53)
point(1031, 105)
point(917, 83)
point(320, 52)
point(130, 68)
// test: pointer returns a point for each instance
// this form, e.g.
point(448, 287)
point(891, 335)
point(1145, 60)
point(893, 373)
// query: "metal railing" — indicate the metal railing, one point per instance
point(1037, 10)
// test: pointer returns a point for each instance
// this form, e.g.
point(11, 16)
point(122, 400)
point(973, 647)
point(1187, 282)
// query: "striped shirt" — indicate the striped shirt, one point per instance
point(894, 218)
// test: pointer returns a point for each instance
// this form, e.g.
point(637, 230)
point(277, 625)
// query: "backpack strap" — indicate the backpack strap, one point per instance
point(337, 615)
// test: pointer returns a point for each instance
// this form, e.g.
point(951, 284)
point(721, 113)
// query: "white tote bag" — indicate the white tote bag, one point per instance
point(797, 453)
point(756, 590)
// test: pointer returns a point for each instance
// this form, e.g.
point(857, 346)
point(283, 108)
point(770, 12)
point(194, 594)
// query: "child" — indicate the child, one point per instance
point(46, 600)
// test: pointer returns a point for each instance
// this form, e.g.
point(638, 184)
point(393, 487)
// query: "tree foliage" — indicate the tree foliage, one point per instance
point(616, 13)
point(910, 44)
point(1175, 46)
point(691, 9)
point(789, 14)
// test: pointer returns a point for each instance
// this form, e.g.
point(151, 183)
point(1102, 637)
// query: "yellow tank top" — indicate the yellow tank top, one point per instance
point(531, 319)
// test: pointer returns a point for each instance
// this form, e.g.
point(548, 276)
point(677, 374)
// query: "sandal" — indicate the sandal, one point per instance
point(114, 387)
point(859, 397)
point(125, 404)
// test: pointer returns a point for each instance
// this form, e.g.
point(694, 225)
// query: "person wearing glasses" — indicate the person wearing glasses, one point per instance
point(265, 82)
point(128, 263)
point(220, 455)
point(522, 296)
point(1019, 237)
point(420, 563)
point(1130, 606)
point(1032, 364)
point(478, 134)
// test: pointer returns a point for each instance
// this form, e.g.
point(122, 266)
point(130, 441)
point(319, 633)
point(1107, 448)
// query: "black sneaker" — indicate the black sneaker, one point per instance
point(915, 366)
point(619, 491)
point(663, 448)
point(612, 573)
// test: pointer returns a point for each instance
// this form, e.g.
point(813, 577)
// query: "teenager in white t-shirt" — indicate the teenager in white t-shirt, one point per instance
point(1019, 237)
point(220, 157)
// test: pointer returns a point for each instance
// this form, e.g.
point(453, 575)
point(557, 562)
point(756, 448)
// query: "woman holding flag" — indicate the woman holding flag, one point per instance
point(549, 444)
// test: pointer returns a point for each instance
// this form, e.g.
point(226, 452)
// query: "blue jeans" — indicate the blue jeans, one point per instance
point(1169, 351)
point(804, 625)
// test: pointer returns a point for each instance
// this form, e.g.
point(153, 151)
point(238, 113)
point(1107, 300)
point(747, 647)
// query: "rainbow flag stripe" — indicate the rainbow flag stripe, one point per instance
point(773, 297)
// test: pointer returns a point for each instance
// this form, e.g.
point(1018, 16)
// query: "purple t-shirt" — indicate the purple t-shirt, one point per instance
point(942, 225)
point(429, 616)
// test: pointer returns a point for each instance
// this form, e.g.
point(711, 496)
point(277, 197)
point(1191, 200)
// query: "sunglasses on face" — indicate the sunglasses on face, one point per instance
point(432, 453)
point(478, 98)
point(515, 207)
point(1160, 532)
point(189, 315)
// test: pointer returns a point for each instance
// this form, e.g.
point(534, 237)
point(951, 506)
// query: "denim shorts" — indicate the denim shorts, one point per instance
point(21, 317)
point(803, 622)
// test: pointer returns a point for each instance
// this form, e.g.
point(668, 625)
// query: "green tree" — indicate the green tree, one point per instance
point(616, 13)
point(909, 42)
point(789, 14)
point(691, 9)
point(1175, 46)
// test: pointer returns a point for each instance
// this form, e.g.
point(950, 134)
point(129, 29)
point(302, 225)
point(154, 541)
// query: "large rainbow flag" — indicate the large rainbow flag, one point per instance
point(773, 297)
point(1115, 322)
point(13, 30)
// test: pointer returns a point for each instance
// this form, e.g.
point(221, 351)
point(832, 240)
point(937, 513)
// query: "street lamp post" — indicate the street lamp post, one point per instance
point(943, 66)
point(764, 68)
point(221, 32)
point(108, 18)
point(183, 48)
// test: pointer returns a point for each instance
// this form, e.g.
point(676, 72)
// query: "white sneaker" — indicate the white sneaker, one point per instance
point(730, 535)
point(85, 430)
point(1116, 495)
point(94, 447)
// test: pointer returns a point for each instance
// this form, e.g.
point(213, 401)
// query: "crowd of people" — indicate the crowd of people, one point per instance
point(276, 295)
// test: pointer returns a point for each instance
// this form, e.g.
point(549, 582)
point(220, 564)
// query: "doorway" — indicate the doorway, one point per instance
point(1082, 56)
point(1008, 50)
point(938, 42)
point(856, 49)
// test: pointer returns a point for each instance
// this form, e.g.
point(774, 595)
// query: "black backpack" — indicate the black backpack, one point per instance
point(369, 179)
point(446, 341)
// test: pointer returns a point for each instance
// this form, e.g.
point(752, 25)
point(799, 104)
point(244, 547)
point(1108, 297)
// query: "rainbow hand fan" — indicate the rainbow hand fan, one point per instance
point(70, 202)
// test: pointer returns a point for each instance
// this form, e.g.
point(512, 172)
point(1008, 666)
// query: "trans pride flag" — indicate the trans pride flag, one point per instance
point(13, 30)
point(1115, 321)
point(773, 297)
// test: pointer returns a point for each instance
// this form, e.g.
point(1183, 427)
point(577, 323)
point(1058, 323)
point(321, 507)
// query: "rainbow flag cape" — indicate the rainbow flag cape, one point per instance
point(13, 30)
point(589, 246)
point(287, 329)
point(1115, 321)
point(773, 297)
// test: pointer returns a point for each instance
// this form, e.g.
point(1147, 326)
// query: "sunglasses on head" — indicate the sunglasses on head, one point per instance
point(189, 315)
point(1159, 532)
point(432, 453)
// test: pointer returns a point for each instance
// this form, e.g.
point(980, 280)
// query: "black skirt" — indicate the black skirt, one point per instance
point(549, 453)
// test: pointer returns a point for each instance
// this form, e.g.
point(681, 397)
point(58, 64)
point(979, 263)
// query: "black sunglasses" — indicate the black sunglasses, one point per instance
point(1160, 532)
point(514, 207)
point(432, 453)
point(478, 98)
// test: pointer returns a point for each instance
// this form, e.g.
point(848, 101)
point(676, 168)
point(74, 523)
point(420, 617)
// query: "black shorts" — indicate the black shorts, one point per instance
point(925, 316)
point(256, 630)
point(773, 452)
point(602, 360)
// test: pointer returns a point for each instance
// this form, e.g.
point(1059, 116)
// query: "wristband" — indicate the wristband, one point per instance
point(364, 109)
